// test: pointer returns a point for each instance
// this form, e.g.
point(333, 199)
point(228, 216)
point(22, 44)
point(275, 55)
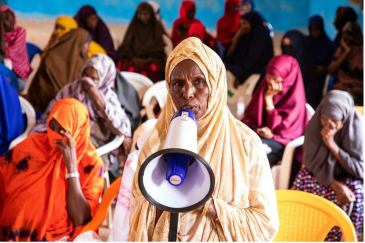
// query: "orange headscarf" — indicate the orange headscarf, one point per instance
point(33, 187)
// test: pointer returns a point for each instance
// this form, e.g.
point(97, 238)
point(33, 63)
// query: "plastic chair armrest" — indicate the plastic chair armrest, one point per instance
point(102, 210)
point(114, 144)
point(287, 161)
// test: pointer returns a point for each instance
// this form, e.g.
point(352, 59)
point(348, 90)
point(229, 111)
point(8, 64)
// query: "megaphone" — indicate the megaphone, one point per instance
point(176, 179)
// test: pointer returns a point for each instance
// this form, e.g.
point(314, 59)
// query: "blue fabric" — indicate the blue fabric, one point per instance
point(10, 75)
point(11, 117)
point(251, 3)
point(32, 51)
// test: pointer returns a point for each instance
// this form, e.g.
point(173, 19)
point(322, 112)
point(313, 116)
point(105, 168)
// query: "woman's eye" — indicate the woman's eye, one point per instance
point(199, 82)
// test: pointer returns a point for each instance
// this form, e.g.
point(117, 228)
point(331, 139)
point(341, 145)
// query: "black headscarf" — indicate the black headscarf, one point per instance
point(253, 51)
point(345, 14)
point(321, 50)
point(143, 40)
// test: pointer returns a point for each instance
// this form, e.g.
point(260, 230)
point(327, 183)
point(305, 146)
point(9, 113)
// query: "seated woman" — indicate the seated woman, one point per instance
point(94, 90)
point(63, 25)
point(333, 158)
point(344, 14)
point(11, 117)
point(119, 231)
point(196, 80)
point(321, 51)
point(87, 18)
point(277, 111)
point(348, 64)
point(228, 25)
point(13, 46)
point(295, 44)
point(182, 24)
point(51, 182)
point(198, 30)
point(250, 51)
point(143, 48)
point(59, 67)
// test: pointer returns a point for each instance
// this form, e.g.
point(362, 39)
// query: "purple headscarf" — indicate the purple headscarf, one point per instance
point(100, 34)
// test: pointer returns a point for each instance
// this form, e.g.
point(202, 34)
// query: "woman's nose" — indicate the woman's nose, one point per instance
point(188, 92)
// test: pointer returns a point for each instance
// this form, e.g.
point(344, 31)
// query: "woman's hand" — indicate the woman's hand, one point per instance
point(273, 89)
point(344, 45)
point(328, 132)
point(321, 70)
point(68, 151)
point(264, 132)
point(343, 193)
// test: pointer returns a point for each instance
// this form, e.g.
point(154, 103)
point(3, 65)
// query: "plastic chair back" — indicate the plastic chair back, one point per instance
point(139, 82)
point(32, 51)
point(29, 111)
point(307, 217)
point(157, 91)
point(103, 208)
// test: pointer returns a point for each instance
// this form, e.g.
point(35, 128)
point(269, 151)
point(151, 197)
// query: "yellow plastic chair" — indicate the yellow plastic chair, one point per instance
point(360, 109)
point(102, 211)
point(307, 217)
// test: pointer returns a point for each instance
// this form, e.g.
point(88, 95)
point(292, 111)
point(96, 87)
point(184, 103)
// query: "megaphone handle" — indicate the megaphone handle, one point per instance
point(174, 221)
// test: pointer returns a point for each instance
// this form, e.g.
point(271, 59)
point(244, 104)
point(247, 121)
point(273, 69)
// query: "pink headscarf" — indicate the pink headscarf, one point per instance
point(289, 118)
point(16, 49)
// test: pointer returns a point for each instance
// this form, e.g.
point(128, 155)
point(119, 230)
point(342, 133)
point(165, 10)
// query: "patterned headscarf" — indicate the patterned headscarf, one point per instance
point(15, 47)
point(105, 67)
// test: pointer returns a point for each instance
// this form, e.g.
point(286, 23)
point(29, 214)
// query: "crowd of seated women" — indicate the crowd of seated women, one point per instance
point(82, 102)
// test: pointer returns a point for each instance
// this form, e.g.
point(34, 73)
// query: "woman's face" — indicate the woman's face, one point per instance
point(191, 13)
point(314, 31)
point(92, 21)
point(91, 72)
point(55, 126)
point(272, 79)
point(189, 89)
point(144, 16)
point(245, 26)
point(59, 28)
point(332, 123)
point(9, 21)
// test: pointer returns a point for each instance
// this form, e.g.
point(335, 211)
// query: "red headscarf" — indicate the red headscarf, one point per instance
point(289, 118)
point(197, 30)
point(177, 36)
point(16, 48)
point(33, 187)
point(229, 23)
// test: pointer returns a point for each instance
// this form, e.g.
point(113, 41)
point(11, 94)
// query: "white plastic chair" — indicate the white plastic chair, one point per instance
point(281, 172)
point(156, 92)
point(106, 148)
point(139, 82)
point(29, 111)
point(242, 96)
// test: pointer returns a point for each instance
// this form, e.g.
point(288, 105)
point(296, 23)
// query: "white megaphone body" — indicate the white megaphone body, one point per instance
point(176, 179)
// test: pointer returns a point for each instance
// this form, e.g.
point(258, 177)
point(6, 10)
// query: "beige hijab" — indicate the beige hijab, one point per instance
point(244, 194)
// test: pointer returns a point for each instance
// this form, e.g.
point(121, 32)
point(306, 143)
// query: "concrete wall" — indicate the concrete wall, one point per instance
point(282, 14)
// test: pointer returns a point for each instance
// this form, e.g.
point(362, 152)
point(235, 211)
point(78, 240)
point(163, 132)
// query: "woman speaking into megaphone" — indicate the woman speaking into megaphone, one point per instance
point(243, 203)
